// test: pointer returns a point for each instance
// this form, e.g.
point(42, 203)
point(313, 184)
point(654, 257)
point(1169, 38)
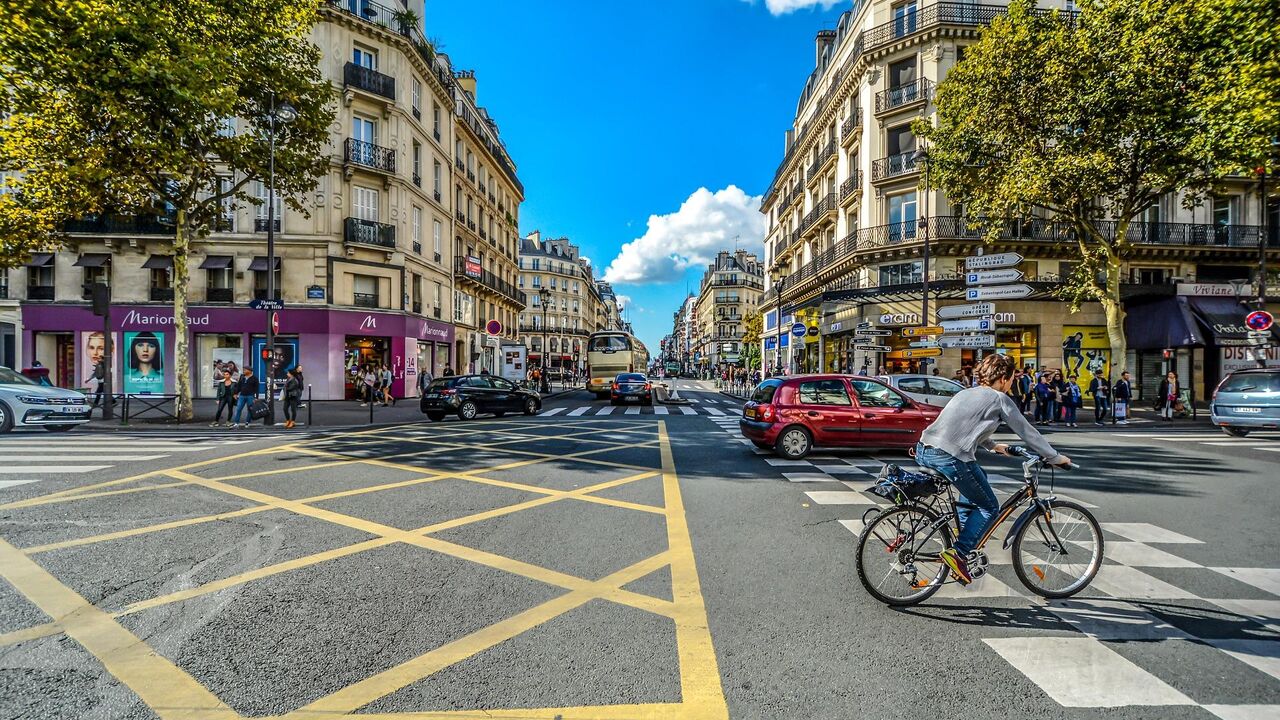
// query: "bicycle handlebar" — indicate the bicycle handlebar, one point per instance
point(1035, 458)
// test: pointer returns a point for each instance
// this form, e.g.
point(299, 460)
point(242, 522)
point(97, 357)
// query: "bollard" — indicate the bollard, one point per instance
point(308, 404)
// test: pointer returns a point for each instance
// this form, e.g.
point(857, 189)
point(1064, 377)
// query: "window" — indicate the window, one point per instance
point(417, 226)
point(900, 140)
point(824, 392)
point(902, 72)
point(436, 296)
point(904, 18)
point(1152, 276)
point(417, 163)
point(365, 57)
point(435, 178)
point(415, 286)
point(901, 273)
point(943, 387)
point(435, 238)
point(416, 86)
point(364, 290)
point(1222, 211)
point(260, 191)
point(902, 216)
point(364, 203)
point(435, 120)
point(874, 394)
point(364, 130)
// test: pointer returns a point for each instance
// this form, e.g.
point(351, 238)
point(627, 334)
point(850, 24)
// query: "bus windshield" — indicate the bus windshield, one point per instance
point(609, 343)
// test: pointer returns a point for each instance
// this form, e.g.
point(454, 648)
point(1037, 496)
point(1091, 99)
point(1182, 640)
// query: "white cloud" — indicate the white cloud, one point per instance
point(624, 300)
point(782, 7)
point(706, 223)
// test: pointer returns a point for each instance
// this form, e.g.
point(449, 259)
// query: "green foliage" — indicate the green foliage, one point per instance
point(752, 326)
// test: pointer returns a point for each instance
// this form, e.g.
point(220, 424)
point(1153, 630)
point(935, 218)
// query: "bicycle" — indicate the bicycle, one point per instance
point(1057, 545)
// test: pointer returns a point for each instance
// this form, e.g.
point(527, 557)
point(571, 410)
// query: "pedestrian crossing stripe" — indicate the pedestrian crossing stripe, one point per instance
point(23, 460)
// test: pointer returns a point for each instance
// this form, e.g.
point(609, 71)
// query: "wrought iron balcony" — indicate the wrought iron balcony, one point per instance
point(219, 295)
point(818, 213)
point(894, 97)
point(369, 80)
point(39, 292)
point(851, 185)
point(260, 224)
point(417, 179)
point(366, 154)
point(123, 224)
point(490, 281)
point(851, 124)
point(159, 294)
point(369, 232)
point(827, 153)
point(893, 166)
point(365, 300)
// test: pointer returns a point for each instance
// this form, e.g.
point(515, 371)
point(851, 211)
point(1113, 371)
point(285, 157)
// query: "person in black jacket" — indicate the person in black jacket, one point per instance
point(1123, 396)
point(292, 396)
point(246, 392)
point(226, 398)
point(1168, 396)
point(1100, 390)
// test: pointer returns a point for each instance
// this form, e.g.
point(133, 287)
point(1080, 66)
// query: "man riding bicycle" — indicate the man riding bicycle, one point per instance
point(949, 444)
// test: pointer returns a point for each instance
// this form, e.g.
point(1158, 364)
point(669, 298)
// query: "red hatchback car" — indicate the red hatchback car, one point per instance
point(792, 415)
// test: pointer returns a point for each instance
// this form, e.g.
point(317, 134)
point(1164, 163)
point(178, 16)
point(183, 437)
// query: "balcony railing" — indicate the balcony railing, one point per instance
point(369, 232)
point(893, 166)
point(123, 224)
point(365, 300)
point(827, 153)
point(894, 97)
point(39, 292)
point(851, 185)
point(390, 18)
point(260, 224)
point(850, 125)
point(219, 295)
point(261, 294)
point(366, 154)
point(818, 213)
point(491, 281)
point(369, 80)
point(159, 294)
point(417, 179)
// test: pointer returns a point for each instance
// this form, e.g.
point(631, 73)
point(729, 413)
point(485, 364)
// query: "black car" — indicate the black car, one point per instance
point(470, 395)
point(630, 386)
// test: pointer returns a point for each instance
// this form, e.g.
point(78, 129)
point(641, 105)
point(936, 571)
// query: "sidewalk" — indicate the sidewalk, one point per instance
point(319, 414)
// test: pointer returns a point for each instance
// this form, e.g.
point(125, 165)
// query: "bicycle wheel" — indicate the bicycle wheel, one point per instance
point(1058, 556)
point(898, 555)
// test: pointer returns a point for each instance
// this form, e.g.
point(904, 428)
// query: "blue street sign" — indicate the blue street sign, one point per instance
point(799, 329)
point(265, 304)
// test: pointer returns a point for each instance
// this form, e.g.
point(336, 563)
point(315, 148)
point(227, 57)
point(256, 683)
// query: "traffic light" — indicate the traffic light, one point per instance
point(101, 295)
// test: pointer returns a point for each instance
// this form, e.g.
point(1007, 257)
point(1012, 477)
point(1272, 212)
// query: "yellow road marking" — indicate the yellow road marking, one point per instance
point(170, 692)
point(35, 632)
point(143, 530)
point(36, 502)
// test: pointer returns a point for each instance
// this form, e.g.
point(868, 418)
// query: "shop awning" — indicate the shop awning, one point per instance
point(217, 262)
point(158, 262)
point(1223, 317)
point(40, 260)
point(93, 260)
point(1166, 323)
point(259, 264)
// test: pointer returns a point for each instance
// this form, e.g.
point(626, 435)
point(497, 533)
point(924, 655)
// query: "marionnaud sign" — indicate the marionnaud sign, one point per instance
point(967, 341)
point(998, 292)
point(974, 325)
point(951, 312)
point(993, 277)
point(991, 262)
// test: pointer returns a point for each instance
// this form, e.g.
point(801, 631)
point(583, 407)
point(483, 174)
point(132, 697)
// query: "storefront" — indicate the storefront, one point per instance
point(326, 343)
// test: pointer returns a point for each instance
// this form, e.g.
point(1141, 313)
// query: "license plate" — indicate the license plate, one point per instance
point(432, 396)
point(68, 409)
point(1249, 410)
point(749, 412)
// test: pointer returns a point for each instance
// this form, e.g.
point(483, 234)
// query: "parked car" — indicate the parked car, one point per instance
point(470, 395)
point(792, 415)
point(628, 387)
point(26, 403)
point(927, 389)
point(1247, 400)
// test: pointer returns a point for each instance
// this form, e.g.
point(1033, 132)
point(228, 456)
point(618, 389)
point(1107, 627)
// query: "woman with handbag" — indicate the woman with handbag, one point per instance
point(292, 395)
point(1167, 396)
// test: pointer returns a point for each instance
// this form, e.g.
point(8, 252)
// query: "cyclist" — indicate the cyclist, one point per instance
point(969, 420)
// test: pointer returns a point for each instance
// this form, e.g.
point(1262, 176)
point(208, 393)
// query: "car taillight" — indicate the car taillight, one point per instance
point(648, 386)
point(614, 386)
point(448, 392)
point(765, 413)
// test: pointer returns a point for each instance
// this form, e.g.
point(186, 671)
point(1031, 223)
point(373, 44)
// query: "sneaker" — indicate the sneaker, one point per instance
point(1122, 422)
point(215, 423)
point(959, 566)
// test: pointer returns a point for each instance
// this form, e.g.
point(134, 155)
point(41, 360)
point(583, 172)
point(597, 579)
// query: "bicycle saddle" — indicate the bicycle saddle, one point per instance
point(933, 474)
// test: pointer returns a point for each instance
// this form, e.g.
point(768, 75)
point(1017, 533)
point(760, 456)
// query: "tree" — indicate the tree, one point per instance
point(122, 106)
point(752, 326)
point(1085, 121)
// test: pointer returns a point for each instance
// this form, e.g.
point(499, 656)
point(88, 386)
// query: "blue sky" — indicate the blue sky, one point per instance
point(619, 111)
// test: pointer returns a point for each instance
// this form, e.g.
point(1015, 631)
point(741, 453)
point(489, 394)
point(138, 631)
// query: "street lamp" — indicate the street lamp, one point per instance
point(921, 156)
point(282, 114)
point(777, 365)
point(544, 296)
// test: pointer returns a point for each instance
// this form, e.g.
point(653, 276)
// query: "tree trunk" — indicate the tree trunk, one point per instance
point(1110, 301)
point(181, 349)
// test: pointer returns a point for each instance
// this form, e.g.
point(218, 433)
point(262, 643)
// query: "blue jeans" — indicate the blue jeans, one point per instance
point(977, 504)
point(242, 404)
point(1071, 413)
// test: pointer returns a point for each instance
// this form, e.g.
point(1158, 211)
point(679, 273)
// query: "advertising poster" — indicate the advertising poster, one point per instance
point(1244, 357)
point(225, 359)
point(285, 357)
point(1086, 350)
point(92, 347)
point(143, 363)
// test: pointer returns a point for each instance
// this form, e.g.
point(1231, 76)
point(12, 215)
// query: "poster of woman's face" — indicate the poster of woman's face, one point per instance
point(144, 363)
point(93, 346)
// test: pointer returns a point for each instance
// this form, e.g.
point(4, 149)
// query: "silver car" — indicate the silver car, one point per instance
point(1247, 400)
point(26, 403)
point(927, 389)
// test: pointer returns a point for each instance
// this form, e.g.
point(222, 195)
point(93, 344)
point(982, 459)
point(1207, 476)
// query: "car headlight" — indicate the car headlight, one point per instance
point(34, 400)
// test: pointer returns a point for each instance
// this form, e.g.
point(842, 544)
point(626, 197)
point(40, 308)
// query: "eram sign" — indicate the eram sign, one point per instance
point(900, 319)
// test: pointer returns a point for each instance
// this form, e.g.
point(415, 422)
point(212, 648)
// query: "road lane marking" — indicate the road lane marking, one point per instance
point(837, 497)
point(1148, 533)
point(578, 411)
point(688, 410)
point(715, 411)
point(1136, 554)
point(1130, 584)
point(1262, 578)
point(142, 530)
point(552, 411)
point(1083, 672)
point(607, 409)
point(807, 477)
point(73, 458)
point(632, 411)
point(660, 410)
point(1262, 655)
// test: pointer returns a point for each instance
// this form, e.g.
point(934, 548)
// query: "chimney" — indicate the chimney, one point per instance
point(824, 40)
point(466, 80)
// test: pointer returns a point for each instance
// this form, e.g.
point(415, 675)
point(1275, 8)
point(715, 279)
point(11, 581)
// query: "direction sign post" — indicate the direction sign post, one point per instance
point(973, 325)
point(873, 348)
point(967, 341)
point(998, 292)
point(922, 331)
point(922, 353)
point(954, 312)
point(924, 344)
point(992, 262)
point(992, 277)
point(872, 333)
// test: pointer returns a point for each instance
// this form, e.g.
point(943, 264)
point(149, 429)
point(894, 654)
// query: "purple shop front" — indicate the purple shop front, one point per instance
point(328, 344)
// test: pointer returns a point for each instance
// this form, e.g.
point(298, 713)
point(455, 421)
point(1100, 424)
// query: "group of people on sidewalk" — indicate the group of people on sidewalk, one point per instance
point(237, 395)
point(373, 384)
point(1052, 398)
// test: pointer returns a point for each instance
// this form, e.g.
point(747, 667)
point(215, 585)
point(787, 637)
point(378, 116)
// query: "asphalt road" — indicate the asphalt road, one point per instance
point(626, 565)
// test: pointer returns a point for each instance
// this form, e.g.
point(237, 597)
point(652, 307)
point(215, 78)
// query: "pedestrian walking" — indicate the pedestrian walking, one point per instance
point(1123, 393)
point(1100, 391)
point(292, 396)
point(386, 379)
point(424, 380)
point(1168, 396)
point(246, 392)
point(226, 394)
point(100, 381)
point(1072, 401)
point(369, 382)
point(1027, 383)
point(1016, 390)
point(1044, 400)
point(1059, 386)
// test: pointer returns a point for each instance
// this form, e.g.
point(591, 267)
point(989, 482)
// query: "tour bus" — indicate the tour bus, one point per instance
point(610, 352)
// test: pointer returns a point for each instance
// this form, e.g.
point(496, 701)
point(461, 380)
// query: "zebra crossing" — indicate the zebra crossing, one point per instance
point(28, 457)
point(1258, 440)
point(706, 406)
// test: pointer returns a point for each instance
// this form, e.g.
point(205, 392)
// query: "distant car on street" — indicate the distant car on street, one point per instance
point(928, 389)
point(1247, 400)
point(791, 415)
point(470, 395)
point(26, 403)
point(629, 387)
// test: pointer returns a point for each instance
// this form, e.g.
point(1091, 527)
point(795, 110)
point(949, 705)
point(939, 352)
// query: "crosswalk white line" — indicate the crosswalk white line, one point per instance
point(553, 411)
point(123, 446)
point(1261, 654)
point(693, 399)
point(1148, 533)
point(688, 410)
point(807, 477)
point(1083, 672)
point(632, 411)
point(838, 497)
point(14, 483)
point(74, 458)
point(1125, 582)
point(578, 411)
point(607, 409)
point(716, 411)
point(50, 469)
point(660, 410)
point(1262, 578)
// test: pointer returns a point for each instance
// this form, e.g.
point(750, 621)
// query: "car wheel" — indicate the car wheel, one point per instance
point(6, 418)
point(1235, 431)
point(59, 428)
point(530, 407)
point(794, 443)
point(468, 411)
point(435, 416)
